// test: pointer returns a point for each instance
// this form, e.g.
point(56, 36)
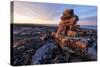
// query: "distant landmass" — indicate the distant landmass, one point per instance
point(89, 26)
point(81, 26)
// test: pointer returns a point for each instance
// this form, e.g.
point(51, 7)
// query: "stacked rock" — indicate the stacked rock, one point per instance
point(68, 25)
point(68, 33)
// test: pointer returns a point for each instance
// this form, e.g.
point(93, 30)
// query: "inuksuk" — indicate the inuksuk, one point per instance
point(68, 33)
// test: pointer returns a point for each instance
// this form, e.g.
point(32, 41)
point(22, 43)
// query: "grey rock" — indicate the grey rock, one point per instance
point(43, 53)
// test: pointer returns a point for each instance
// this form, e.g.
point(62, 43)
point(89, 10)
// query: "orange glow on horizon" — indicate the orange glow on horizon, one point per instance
point(30, 20)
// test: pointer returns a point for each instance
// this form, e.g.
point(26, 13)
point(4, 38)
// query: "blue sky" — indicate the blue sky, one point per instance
point(50, 13)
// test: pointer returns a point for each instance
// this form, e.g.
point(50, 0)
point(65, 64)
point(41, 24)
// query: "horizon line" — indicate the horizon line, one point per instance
point(49, 24)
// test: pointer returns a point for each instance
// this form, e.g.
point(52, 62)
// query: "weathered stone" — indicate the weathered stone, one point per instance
point(71, 33)
point(74, 27)
point(68, 12)
point(43, 54)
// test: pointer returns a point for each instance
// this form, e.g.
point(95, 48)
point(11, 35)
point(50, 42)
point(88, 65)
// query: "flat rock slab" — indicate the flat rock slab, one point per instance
point(43, 54)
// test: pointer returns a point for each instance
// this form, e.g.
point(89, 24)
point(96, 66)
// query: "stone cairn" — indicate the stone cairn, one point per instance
point(68, 25)
point(68, 33)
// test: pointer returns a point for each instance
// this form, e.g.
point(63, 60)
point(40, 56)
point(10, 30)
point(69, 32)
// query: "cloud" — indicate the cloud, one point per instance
point(41, 12)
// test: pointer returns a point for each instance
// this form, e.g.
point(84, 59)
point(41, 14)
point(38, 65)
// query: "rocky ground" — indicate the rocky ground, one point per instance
point(33, 44)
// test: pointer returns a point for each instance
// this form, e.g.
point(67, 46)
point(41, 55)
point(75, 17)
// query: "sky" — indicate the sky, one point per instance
point(50, 13)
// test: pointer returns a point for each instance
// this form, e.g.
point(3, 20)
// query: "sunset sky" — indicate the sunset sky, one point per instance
point(50, 13)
